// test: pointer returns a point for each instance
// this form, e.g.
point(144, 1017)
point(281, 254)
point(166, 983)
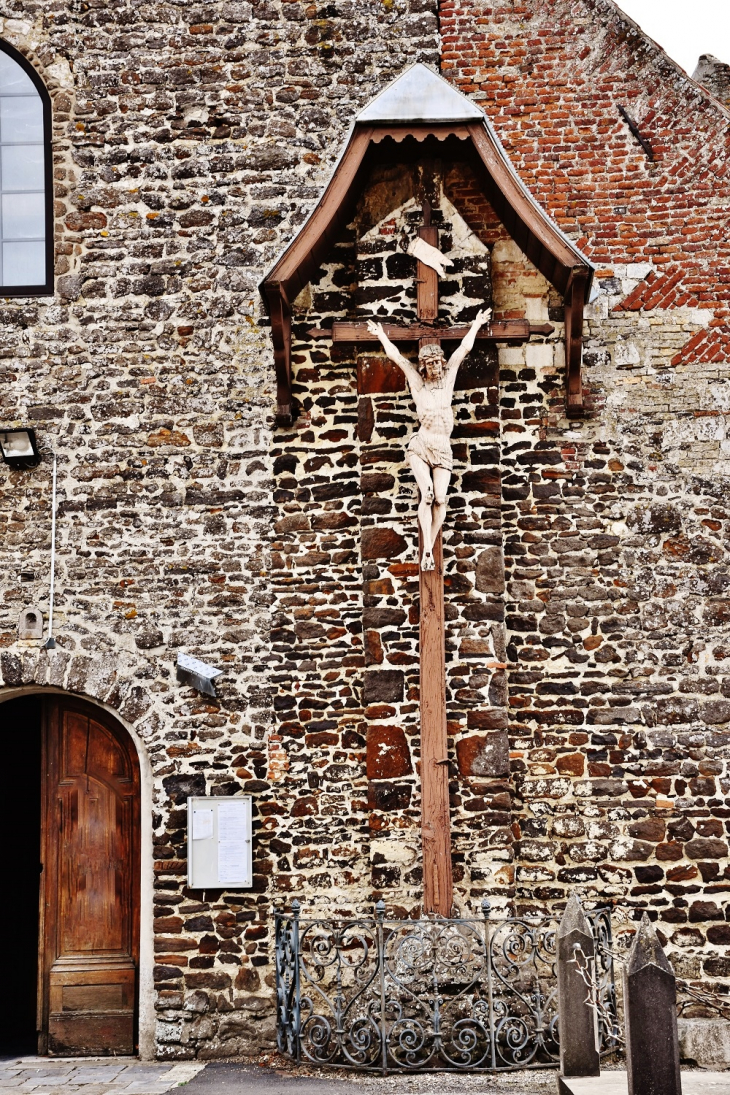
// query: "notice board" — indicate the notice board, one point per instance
point(219, 843)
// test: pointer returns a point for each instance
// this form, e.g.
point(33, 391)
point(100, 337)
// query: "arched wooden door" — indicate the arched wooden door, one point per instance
point(89, 922)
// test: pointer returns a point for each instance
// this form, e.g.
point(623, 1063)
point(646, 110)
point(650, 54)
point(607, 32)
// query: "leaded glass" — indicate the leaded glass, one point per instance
point(22, 178)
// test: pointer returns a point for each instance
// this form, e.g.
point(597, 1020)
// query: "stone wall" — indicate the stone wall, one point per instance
point(347, 581)
point(189, 144)
point(615, 528)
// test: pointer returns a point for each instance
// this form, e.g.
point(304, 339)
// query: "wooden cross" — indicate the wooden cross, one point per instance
point(435, 821)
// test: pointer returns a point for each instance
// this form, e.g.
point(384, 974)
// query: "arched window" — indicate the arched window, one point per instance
point(26, 180)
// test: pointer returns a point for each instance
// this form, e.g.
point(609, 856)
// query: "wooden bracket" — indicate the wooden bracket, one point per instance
point(280, 312)
point(575, 301)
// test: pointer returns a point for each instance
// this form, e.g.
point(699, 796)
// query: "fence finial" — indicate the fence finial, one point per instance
point(579, 1054)
point(650, 1007)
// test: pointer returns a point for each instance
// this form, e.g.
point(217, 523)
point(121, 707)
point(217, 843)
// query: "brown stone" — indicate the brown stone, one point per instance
point(388, 755)
point(685, 873)
point(168, 437)
point(381, 543)
point(571, 764)
point(490, 571)
point(669, 852)
point(247, 979)
point(483, 755)
point(373, 648)
point(304, 806)
point(650, 828)
point(477, 648)
point(490, 718)
point(717, 613)
point(378, 374)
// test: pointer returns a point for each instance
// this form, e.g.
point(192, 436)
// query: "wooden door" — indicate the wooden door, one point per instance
point(89, 938)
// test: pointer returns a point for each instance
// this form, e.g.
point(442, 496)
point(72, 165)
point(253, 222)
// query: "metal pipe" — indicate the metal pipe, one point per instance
point(51, 642)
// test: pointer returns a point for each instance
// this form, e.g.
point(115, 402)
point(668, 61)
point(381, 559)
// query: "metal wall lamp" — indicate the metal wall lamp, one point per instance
point(19, 447)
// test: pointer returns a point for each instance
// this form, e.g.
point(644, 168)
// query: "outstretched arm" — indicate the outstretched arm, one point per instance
point(467, 343)
point(412, 375)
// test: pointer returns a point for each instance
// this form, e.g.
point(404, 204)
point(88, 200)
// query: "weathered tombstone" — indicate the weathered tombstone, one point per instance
point(578, 1018)
point(650, 1008)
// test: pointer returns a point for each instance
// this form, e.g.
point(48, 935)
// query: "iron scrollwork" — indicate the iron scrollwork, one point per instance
point(419, 995)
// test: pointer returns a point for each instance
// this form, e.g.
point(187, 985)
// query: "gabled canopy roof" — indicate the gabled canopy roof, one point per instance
point(422, 105)
point(420, 95)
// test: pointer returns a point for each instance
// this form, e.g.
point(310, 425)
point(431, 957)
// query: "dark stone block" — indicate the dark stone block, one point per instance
point(383, 686)
point(376, 482)
point(716, 712)
point(389, 796)
point(704, 910)
point(365, 420)
point(179, 788)
point(719, 934)
point(700, 848)
point(377, 618)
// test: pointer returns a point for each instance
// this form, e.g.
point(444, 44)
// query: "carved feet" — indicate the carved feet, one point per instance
point(427, 562)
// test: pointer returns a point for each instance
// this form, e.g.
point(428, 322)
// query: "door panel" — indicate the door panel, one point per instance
point(90, 913)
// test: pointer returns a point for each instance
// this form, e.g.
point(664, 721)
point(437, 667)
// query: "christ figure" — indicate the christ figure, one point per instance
point(429, 450)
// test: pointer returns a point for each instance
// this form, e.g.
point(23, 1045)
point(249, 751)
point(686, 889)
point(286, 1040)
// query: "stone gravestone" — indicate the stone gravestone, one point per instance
point(650, 1008)
point(578, 1018)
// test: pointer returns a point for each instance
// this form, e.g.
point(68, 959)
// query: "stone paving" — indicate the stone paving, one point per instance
point(269, 1075)
point(92, 1076)
point(274, 1076)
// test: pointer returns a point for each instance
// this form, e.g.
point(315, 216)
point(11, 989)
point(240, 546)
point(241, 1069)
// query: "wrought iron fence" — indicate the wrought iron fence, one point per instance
point(415, 995)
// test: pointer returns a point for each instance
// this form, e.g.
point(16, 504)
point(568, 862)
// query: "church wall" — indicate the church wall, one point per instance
point(189, 144)
point(346, 638)
point(615, 529)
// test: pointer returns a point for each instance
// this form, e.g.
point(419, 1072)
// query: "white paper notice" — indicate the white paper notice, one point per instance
point(232, 843)
point(202, 824)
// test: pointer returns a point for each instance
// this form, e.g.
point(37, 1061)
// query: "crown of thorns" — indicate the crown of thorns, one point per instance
point(431, 350)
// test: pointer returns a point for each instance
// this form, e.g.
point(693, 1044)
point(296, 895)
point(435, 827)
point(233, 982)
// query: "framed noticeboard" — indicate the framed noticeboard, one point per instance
point(219, 843)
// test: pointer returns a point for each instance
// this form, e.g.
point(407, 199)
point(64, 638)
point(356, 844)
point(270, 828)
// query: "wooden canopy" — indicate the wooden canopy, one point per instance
point(422, 107)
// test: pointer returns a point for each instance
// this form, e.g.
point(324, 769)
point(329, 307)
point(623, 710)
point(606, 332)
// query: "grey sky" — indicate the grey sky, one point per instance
point(684, 30)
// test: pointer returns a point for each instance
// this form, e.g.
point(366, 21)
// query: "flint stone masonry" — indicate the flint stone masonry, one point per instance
point(189, 144)
point(589, 557)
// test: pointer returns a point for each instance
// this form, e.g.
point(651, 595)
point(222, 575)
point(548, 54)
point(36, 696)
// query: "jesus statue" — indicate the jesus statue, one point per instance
point(429, 450)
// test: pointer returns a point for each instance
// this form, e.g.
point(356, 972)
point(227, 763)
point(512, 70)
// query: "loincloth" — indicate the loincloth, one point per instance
point(432, 449)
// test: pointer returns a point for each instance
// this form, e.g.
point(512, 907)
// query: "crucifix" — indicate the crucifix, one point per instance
point(430, 458)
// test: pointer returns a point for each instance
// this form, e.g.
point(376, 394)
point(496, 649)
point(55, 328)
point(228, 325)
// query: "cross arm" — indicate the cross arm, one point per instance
point(508, 330)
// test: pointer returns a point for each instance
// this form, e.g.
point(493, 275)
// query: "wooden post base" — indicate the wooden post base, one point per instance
point(438, 888)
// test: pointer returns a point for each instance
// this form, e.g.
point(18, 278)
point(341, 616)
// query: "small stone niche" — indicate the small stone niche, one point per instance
point(30, 624)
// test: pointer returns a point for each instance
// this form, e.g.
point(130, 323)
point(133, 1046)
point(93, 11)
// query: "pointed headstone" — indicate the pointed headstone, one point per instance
point(650, 1008)
point(578, 1021)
